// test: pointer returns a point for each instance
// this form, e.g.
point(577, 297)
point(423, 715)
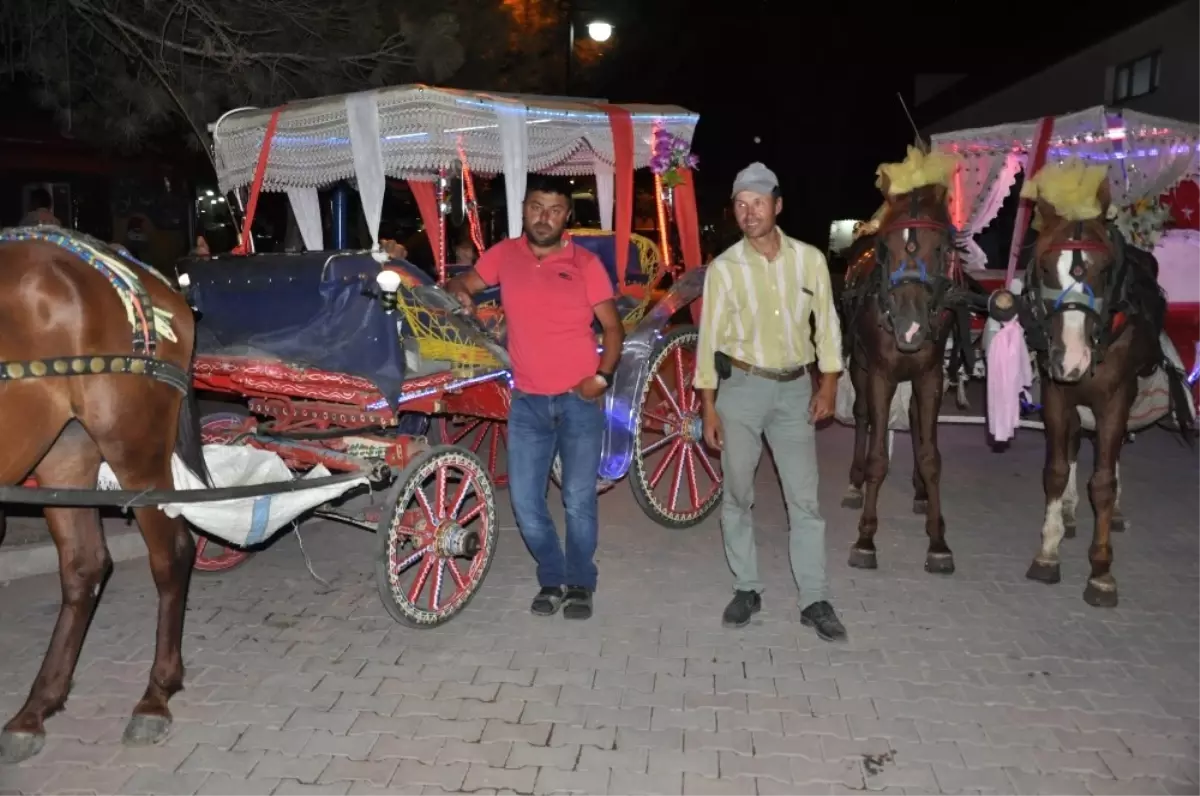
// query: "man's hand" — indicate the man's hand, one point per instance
point(821, 406)
point(393, 249)
point(456, 287)
point(591, 388)
point(714, 432)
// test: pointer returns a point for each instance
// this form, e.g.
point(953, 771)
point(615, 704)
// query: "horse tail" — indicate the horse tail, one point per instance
point(188, 441)
point(1177, 388)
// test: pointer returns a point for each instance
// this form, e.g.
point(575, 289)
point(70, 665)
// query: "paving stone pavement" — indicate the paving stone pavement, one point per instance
point(980, 682)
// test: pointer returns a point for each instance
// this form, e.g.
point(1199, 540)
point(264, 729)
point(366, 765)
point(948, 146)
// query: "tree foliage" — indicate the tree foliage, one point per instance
point(122, 70)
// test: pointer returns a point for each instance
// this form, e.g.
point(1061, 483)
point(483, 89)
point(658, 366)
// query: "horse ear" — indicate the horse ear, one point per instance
point(1104, 195)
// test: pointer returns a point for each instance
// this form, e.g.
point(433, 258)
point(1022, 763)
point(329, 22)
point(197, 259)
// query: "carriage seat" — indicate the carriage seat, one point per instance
point(604, 246)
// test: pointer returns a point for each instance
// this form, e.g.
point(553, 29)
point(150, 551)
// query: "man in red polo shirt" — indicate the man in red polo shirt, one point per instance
point(551, 289)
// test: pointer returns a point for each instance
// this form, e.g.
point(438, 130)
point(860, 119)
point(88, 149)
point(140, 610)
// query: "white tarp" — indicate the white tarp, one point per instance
point(243, 521)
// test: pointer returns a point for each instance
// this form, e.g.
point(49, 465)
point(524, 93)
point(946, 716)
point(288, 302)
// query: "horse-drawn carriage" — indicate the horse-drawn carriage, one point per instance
point(348, 353)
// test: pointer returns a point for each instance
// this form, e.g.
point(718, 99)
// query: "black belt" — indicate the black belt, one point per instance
point(774, 375)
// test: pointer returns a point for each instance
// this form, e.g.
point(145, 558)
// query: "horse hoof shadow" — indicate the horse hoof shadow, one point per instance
point(939, 563)
point(863, 559)
point(16, 747)
point(143, 730)
point(1100, 597)
point(920, 506)
point(1044, 573)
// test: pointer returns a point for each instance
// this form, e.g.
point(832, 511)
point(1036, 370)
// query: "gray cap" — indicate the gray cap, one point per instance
point(757, 178)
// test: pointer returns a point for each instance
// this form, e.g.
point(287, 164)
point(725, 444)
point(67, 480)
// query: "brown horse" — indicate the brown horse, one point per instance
point(1094, 312)
point(74, 392)
point(898, 314)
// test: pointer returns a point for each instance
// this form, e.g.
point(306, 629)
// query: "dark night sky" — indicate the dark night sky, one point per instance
point(819, 88)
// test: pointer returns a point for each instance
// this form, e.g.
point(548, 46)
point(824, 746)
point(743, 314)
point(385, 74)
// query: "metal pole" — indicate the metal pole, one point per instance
point(570, 49)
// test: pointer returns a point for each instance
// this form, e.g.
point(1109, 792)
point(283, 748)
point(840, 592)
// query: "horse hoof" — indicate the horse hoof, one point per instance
point(1043, 572)
point(143, 730)
point(920, 506)
point(1118, 524)
point(939, 563)
point(1069, 530)
point(863, 559)
point(1104, 596)
point(18, 746)
point(853, 497)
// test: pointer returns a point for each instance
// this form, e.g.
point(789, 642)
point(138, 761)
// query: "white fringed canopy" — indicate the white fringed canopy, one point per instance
point(413, 132)
point(1147, 156)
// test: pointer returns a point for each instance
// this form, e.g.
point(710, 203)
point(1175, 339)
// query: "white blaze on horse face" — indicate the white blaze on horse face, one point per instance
point(1077, 353)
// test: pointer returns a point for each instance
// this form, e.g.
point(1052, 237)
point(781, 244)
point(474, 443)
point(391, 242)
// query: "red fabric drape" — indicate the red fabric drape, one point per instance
point(260, 172)
point(427, 204)
point(621, 123)
point(687, 219)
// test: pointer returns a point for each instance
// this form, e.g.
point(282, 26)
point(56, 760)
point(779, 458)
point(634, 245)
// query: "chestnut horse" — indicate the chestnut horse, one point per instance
point(82, 385)
point(1094, 312)
point(899, 309)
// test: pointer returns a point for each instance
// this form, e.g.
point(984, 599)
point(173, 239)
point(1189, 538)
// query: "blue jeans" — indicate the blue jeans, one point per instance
point(538, 427)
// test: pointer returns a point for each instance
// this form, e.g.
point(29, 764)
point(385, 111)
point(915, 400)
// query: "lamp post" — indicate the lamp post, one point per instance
point(597, 30)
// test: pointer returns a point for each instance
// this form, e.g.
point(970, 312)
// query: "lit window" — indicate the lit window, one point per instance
point(1137, 78)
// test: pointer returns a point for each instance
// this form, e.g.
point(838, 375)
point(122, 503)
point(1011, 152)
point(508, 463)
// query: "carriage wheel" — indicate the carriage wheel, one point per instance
point(670, 441)
point(220, 428)
point(437, 539)
point(477, 433)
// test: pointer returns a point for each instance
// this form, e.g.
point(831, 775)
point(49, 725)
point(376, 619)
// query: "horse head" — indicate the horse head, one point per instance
point(1074, 283)
point(913, 249)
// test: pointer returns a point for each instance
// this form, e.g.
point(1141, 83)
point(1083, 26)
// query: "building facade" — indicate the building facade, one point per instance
point(1152, 67)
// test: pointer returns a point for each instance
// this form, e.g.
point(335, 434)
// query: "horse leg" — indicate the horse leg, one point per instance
point(880, 391)
point(1119, 523)
point(171, 552)
point(83, 564)
point(853, 498)
point(1070, 499)
point(1101, 590)
point(1055, 413)
point(927, 397)
point(920, 495)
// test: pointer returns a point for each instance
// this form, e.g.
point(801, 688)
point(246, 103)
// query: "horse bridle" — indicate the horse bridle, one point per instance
point(1045, 302)
point(912, 270)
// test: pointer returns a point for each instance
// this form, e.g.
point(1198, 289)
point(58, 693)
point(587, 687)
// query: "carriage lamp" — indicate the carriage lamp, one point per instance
point(389, 283)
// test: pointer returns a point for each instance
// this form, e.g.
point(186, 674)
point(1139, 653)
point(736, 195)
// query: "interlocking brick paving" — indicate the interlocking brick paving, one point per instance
point(981, 682)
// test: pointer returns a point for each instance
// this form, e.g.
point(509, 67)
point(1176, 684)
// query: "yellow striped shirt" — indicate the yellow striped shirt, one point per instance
point(758, 311)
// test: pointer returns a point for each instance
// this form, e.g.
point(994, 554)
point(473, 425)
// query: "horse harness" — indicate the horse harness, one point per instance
point(147, 321)
point(1109, 310)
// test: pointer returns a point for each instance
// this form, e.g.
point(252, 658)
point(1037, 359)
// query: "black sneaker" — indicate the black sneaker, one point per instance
point(820, 617)
point(744, 605)
point(577, 604)
point(547, 601)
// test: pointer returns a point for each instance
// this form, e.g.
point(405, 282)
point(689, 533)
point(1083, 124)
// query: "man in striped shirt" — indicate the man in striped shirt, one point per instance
point(763, 299)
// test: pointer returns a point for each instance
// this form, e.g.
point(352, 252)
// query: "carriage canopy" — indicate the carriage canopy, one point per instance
point(415, 132)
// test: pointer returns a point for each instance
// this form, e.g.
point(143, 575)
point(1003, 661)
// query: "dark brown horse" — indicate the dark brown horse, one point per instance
point(80, 384)
point(898, 313)
point(1094, 312)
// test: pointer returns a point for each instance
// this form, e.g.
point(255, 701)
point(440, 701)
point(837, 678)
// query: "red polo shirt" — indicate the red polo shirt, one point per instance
point(548, 307)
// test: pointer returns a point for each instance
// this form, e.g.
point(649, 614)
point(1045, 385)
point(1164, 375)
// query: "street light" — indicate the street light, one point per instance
point(597, 30)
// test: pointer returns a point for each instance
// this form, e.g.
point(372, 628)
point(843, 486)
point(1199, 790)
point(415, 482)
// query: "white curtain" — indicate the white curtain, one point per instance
point(514, 148)
point(604, 193)
point(362, 114)
point(985, 182)
point(307, 209)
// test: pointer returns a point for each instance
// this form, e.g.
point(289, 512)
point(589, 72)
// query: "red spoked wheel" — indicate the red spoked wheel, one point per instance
point(669, 455)
point(221, 428)
point(487, 439)
point(438, 537)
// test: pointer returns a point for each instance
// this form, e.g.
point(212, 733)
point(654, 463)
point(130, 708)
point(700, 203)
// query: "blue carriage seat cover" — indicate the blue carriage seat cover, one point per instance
point(605, 247)
point(308, 309)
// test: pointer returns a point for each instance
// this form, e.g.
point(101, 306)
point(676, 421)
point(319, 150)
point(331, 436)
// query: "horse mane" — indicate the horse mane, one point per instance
point(1143, 293)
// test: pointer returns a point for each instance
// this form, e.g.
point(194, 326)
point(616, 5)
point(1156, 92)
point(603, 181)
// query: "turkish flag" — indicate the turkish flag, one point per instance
point(1184, 200)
